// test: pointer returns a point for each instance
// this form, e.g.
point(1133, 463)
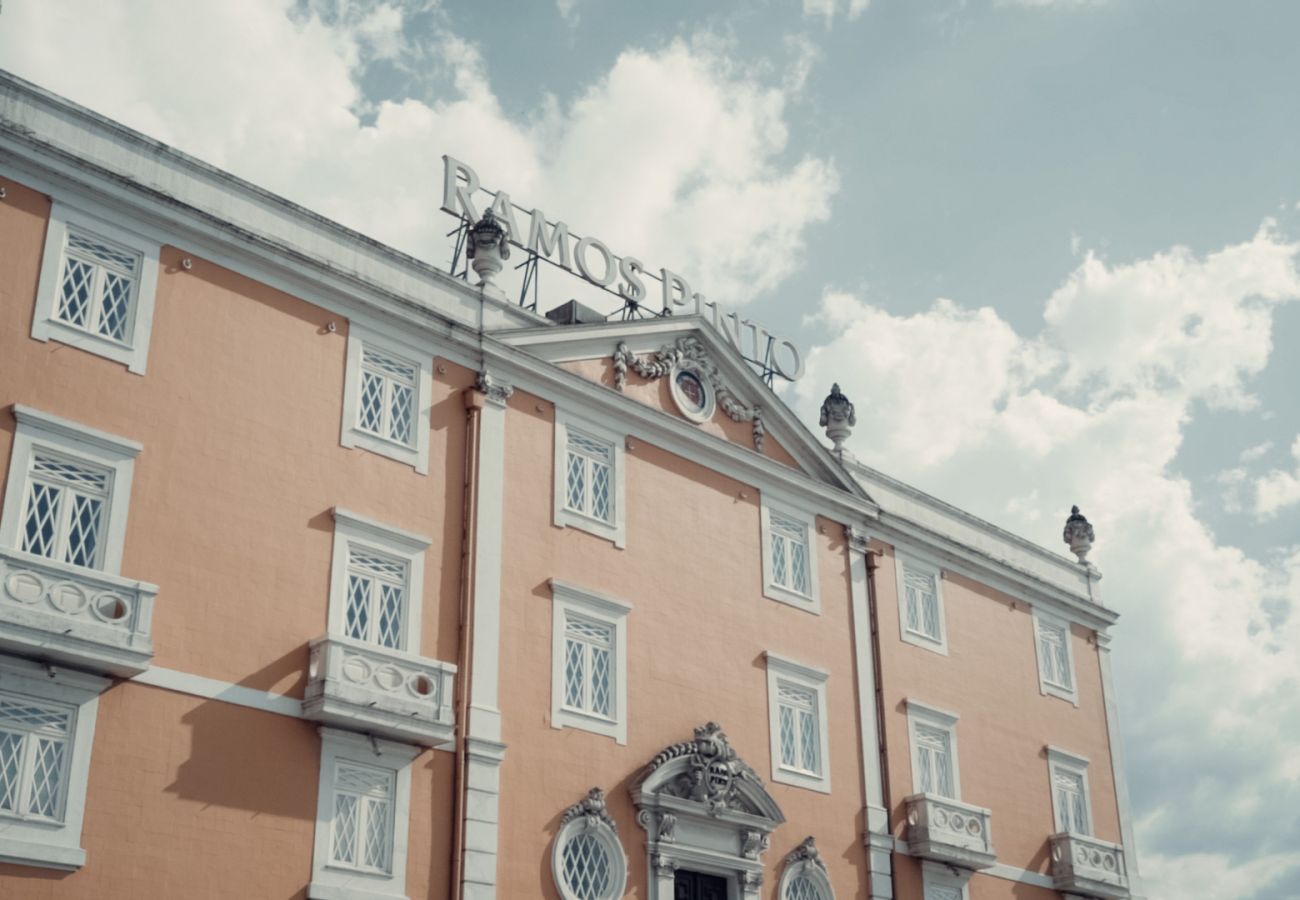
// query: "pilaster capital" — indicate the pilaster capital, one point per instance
point(857, 537)
point(493, 388)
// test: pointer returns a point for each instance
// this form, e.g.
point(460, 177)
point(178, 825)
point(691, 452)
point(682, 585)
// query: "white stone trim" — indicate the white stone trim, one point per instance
point(934, 717)
point(1118, 770)
point(329, 882)
point(1043, 617)
point(35, 429)
point(814, 871)
point(352, 435)
point(769, 501)
point(997, 870)
point(1064, 760)
point(608, 839)
point(352, 529)
point(616, 529)
point(223, 691)
point(134, 352)
point(903, 561)
point(48, 845)
point(782, 669)
point(568, 600)
point(944, 882)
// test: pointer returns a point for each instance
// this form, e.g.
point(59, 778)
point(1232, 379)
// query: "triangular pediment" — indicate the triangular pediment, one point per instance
point(685, 368)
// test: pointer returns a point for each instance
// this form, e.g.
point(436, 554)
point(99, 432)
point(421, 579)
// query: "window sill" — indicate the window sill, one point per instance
point(792, 598)
point(565, 718)
point(44, 856)
point(323, 891)
point(819, 783)
point(1051, 690)
point(355, 438)
point(55, 330)
point(610, 531)
point(925, 642)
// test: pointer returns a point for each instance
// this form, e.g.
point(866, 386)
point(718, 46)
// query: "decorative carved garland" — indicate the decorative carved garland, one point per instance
point(592, 807)
point(688, 352)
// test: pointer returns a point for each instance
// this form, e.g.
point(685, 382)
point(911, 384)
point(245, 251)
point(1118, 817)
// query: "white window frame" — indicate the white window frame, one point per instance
point(814, 871)
point(903, 561)
point(940, 881)
point(571, 601)
point(615, 529)
point(417, 455)
point(36, 430)
point(782, 669)
point(41, 843)
point(333, 882)
point(608, 839)
point(134, 352)
point(810, 602)
point(1045, 619)
point(1065, 761)
point(923, 714)
point(350, 529)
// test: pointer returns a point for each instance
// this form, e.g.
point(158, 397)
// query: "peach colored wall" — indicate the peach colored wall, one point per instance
point(990, 679)
point(208, 800)
point(908, 884)
point(239, 414)
point(696, 635)
point(658, 394)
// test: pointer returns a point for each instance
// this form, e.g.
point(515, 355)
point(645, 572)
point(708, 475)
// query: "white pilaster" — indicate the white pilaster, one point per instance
point(483, 748)
point(878, 840)
point(1118, 769)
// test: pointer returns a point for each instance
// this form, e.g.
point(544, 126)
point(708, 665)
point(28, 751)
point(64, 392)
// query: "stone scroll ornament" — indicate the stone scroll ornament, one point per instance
point(714, 774)
point(592, 809)
point(690, 354)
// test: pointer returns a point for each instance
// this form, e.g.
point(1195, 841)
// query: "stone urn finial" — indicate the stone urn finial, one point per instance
point(489, 246)
point(1078, 534)
point(838, 417)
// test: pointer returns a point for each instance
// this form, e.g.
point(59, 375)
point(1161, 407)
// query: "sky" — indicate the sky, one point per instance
point(1050, 249)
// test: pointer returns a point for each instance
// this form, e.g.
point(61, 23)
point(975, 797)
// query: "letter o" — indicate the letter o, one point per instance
point(794, 371)
point(580, 256)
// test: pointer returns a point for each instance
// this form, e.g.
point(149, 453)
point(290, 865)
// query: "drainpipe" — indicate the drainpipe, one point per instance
point(883, 748)
point(463, 661)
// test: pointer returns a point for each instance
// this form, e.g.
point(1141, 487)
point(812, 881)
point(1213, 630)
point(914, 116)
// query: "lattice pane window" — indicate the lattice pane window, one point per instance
point(588, 666)
point(790, 561)
point(588, 471)
point(922, 592)
point(1054, 654)
point(800, 736)
point(64, 509)
point(587, 867)
point(934, 760)
point(387, 400)
point(802, 887)
point(377, 586)
point(362, 825)
point(34, 750)
point(1071, 800)
point(97, 286)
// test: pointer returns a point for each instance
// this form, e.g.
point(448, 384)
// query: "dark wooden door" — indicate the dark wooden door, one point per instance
point(698, 886)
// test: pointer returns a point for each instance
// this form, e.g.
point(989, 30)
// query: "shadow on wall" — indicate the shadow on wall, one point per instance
point(242, 758)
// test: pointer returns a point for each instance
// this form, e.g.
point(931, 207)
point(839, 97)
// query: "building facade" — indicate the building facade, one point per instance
point(327, 574)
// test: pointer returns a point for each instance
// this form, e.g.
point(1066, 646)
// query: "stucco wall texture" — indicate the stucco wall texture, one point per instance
point(240, 416)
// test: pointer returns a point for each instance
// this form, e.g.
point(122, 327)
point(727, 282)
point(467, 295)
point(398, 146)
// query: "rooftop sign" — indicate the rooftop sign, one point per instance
point(624, 276)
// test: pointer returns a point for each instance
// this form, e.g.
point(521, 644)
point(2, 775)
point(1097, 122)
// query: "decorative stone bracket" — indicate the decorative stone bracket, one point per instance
point(690, 354)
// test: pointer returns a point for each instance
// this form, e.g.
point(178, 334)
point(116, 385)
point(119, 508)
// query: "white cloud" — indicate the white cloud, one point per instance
point(1092, 410)
point(827, 9)
point(1043, 4)
point(568, 10)
point(1277, 490)
point(1256, 452)
point(1213, 876)
point(670, 141)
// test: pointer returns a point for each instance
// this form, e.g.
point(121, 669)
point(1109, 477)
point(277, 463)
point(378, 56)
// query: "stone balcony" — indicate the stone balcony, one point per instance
point(73, 616)
point(1088, 866)
point(949, 831)
point(359, 686)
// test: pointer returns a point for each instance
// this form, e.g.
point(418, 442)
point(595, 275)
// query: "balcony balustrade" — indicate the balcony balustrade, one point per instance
point(1088, 866)
point(388, 693)
point(78, 617)
point(949, 831)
